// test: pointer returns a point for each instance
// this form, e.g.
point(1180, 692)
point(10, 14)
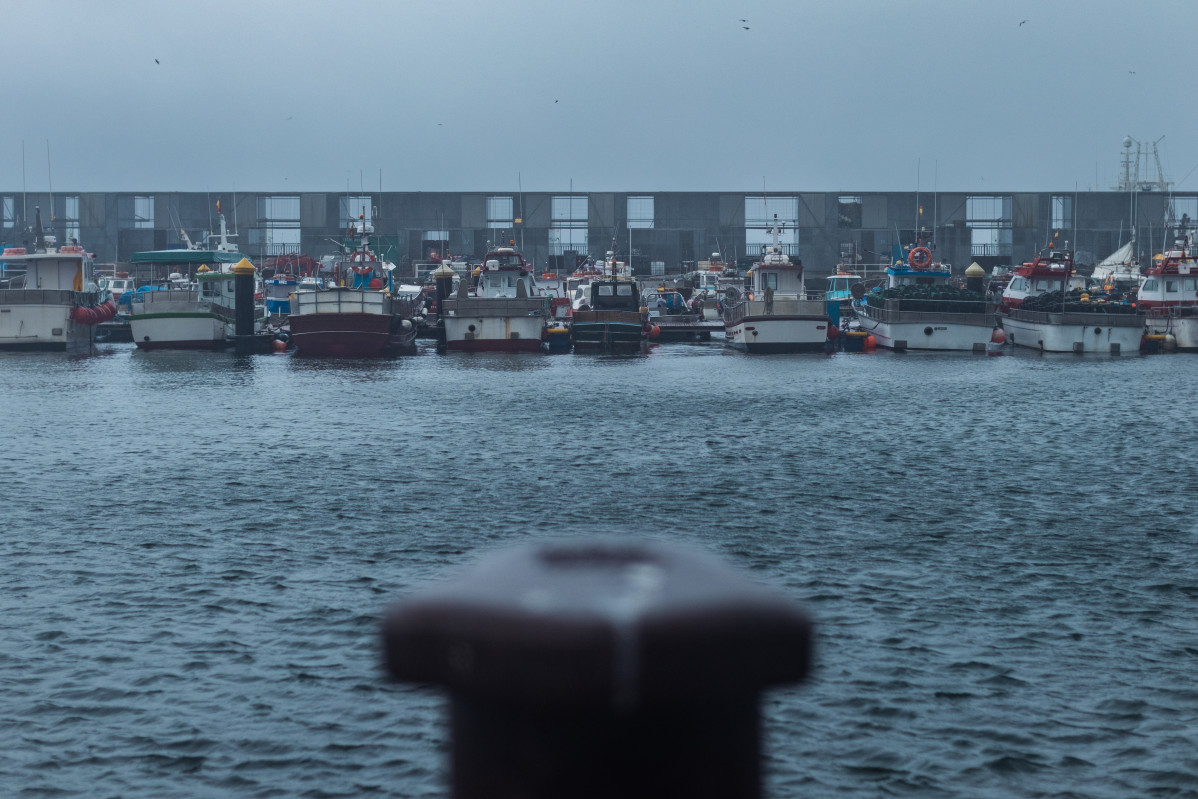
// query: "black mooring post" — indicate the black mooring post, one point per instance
point(617, 668)
point(243, 308)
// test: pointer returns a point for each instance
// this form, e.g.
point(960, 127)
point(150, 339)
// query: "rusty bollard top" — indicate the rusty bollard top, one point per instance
point(615, 624)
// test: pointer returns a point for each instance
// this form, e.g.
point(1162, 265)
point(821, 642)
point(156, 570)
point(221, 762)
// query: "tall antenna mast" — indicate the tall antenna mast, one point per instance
point(50, 183)
point(24, 189)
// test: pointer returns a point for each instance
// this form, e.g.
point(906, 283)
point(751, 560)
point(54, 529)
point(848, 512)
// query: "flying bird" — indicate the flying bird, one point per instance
point(555, 101)
point(746, 27)
point(1131, 72)
point(155, 60)
point(1021, 23)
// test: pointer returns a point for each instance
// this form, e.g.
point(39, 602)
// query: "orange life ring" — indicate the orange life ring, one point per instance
point(920, 258)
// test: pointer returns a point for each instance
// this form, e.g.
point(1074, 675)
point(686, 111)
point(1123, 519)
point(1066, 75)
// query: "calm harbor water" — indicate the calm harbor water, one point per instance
point(1001, 555)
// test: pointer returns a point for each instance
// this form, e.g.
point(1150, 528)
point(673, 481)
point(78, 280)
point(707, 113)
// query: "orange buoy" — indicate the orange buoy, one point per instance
point(871, 343)
point(279, 347)
point(999, 336)
point(654, 331)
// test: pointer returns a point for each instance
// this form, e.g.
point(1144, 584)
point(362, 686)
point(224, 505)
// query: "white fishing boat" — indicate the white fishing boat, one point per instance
point(776, 314)
point(506, 311)
point(193, 308)
point(919, 310)
point(52, 301)
point(1039, 311)
point(1168, 296)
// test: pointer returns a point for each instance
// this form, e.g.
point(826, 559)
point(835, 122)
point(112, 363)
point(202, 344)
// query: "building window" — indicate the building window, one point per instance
point(1062, 212)
point(10, 212)
point(640, 212)
point(989, 223)
point(500, 213)
point(357, 208)
point(1183, 211)
point(848, 212)
point(568, 225)
point(143, 213)
point(760, 216)
point(278, 230)
point(70, 220)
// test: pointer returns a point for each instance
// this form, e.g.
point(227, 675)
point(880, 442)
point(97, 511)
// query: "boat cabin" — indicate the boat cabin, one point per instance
point(1050, 270)
point(840, 287)
point(1173, 277)
point(614, 295)
point(665, 302)
point(66, 268)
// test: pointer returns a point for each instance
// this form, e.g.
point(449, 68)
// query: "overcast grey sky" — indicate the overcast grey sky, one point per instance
point(611, 95)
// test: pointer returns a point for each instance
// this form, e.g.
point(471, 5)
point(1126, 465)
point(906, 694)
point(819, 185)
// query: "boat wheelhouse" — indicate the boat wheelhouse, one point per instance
point(776, 314)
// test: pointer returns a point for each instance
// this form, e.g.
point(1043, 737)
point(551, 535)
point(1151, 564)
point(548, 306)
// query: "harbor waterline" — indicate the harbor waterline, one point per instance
point(998, 553)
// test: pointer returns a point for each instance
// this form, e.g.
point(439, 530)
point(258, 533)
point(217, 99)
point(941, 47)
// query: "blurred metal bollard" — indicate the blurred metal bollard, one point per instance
point(601, 669)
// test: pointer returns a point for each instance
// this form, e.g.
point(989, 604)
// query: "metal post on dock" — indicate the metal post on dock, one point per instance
point(598, 669)
point(243, 308)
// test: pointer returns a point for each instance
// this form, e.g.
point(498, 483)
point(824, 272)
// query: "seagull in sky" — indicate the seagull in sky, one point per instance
point(555, 101)
point(1131, 72)
point(746, 27)
point(155, 60)
point(1021, 23)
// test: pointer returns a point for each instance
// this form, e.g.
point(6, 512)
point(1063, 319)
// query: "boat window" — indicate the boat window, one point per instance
point(605, 291)
point(1190, 284)
point(624, 290)
point(1171, 286)
point(1150, 285)
point(770, 279)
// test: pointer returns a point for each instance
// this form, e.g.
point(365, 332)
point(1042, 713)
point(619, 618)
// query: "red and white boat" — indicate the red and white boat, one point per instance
point(505, 312)
point(1168, 295)
point(368, 318)
point(1039, 312)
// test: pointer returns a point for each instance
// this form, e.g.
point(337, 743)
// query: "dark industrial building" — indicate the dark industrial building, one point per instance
point(658, 231)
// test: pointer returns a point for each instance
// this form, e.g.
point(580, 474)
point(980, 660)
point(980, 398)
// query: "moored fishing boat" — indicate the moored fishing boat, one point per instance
point(52, 302)
point(363, 320)
point(776, 315)
point(1168, 296)
point(611, 319)
point(1039, 311)
point(191, 304)
point(919, 310)
point(506, 311)
point(675, 318)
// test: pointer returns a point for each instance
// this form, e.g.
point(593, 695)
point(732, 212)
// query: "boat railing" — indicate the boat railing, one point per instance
point(46, 297)
point(958, 311)
point(1078, 318)
point(497, 306)
point(340, 301)
point(1173, 311)
point(776, 307)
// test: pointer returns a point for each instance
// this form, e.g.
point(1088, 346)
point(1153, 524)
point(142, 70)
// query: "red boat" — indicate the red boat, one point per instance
point(363, 320)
